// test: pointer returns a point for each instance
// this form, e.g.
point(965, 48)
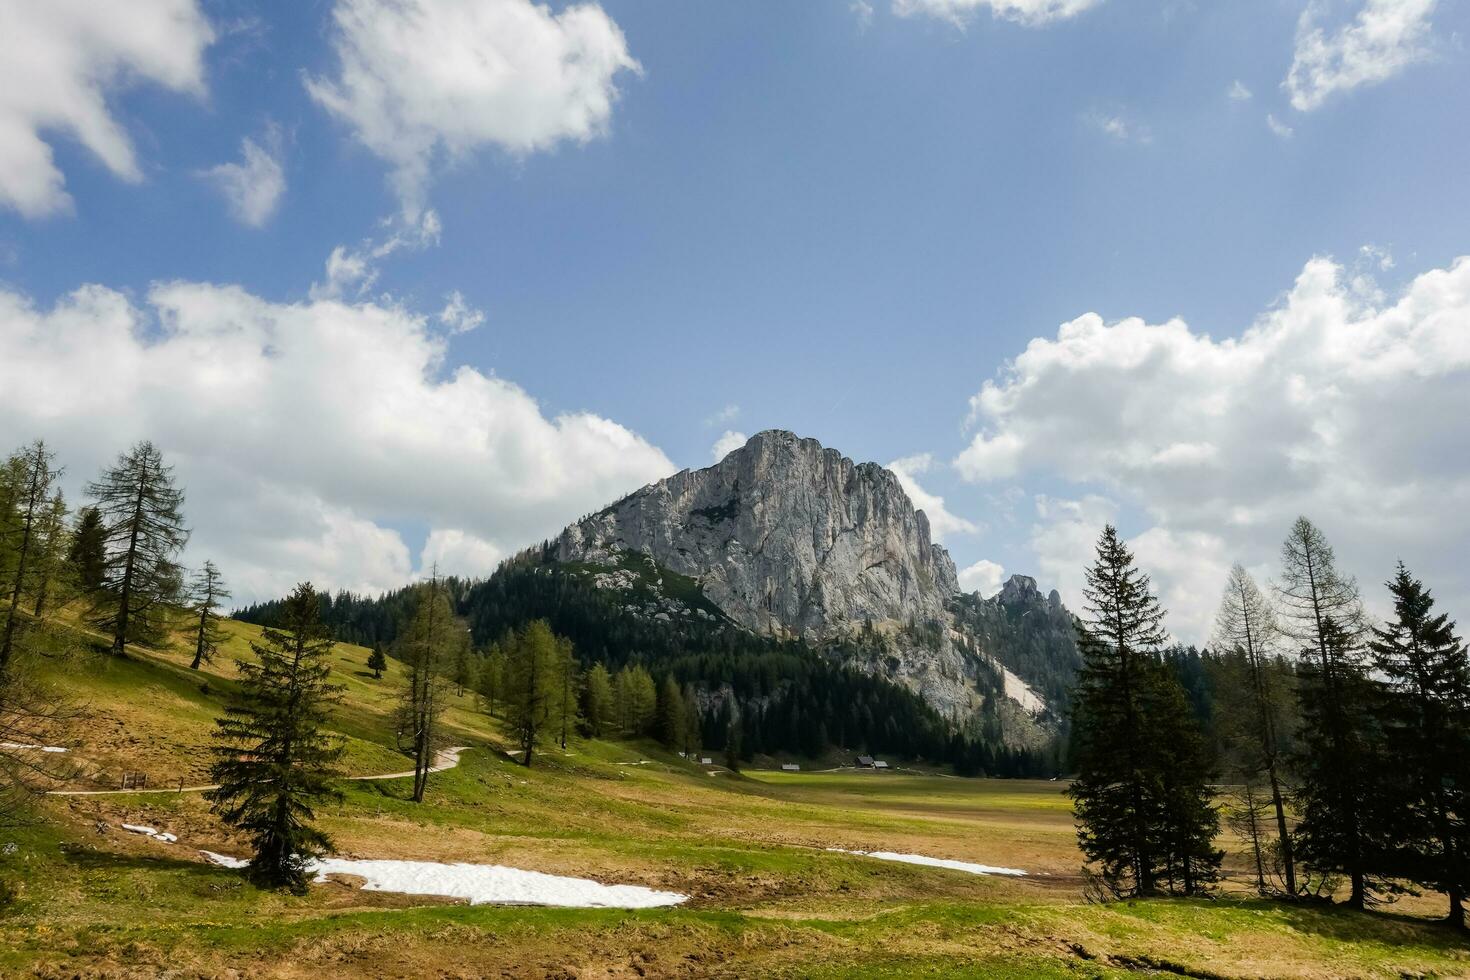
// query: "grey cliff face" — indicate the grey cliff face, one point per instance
point(786, 537)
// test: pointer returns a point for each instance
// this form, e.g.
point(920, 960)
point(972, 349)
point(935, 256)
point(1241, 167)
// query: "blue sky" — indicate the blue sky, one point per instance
point(836, 218)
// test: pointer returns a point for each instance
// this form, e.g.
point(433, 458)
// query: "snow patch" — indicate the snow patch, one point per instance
point(974, 869)
point(35, 748)
point(482, 884)
point(158, 835)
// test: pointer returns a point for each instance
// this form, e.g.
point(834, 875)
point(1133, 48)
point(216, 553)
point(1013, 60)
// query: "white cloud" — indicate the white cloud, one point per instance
point(421, 80)
point(727, 444)
point(252, 187)
point(458, 315)
point(1383, 39)
point(942, 523)
point(1120, 128)
point(863, 11)
point(1338, 403)
point(454, 552)
point(724, 416)
point(352, 272)
point(1064, 539)
point(1029, 12)
point(1238, 92)
point(305, 432)
point(1278, 127)
point(984, 577)
point(58, 61)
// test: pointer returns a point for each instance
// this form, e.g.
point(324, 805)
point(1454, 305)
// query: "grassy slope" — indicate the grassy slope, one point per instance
point(766, 897)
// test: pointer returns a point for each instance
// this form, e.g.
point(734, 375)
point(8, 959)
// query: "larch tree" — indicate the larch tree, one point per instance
point(1337, 760)
point(144, 531)
point(568, 701)
point(55, 538)
point(1141, 795)
point(208, 593)
point(598, 704)
point(428, 648)
point(1426, 721)
point(1246, 626)
point(274, 760)
point(32, 479)
point(532, 686)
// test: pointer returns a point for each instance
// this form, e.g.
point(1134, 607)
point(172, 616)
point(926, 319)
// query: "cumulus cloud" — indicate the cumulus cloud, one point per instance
point(984, 577)
point(1029, 12)
point(727, 444)
point(253, 187)
point(458, 315)
point(58, 62)
point(1337, 403)
point(421, 81)
point(1383, 39)
point(942, 523)
point(305, 433)
point(352, 271)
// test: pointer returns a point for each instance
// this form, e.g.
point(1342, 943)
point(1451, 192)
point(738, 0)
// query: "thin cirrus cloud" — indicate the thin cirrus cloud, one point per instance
point(1029, 12)
point(290, 473)
point(59, 62)
point(1384, 38)
point(1338, 403)
point(426, 82)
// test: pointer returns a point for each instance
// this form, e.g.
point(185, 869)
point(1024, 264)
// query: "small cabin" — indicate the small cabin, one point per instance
point(706, 761)
point(790, 767)
point(879, 764)
point(865, 762)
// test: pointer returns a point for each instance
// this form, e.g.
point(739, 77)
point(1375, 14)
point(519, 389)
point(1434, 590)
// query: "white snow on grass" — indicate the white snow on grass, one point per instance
point(483, 884)
point(159, 835)
point(966, 866)
point(35, 748)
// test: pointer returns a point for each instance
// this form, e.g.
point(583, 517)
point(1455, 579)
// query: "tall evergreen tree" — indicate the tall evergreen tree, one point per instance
point(208, 592)
point(1246, 626)
point(1141, 794)
point(1337, 761)
point(30, 494)
point(87, 554)
point(1426, 720)
point(597, 701)
point(427, 648)
point(670, 711)
point(273, 759)
point(568, 702)
point(142, 514)
point(377, 661)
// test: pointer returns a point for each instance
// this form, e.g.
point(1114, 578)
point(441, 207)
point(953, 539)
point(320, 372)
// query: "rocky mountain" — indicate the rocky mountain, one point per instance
point(787, 538)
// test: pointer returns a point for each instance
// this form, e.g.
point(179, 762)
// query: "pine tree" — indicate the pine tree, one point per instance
point(597, 701)
point(208, 592)
point(141, 511)
point(274, 760)
point(427, 648)
point(377, 661)
point(1426, 720)
point(87, 555)
point(1141, 797)
point(1324, 614)
point(31, 492)
point(1246, 625)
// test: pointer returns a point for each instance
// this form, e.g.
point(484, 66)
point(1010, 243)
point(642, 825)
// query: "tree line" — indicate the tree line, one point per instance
point(1345, 742)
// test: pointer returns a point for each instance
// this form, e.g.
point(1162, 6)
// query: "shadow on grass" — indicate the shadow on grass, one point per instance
point(1346, 924)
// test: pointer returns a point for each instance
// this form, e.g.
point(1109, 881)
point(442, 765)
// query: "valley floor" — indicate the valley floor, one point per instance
point(766, 895)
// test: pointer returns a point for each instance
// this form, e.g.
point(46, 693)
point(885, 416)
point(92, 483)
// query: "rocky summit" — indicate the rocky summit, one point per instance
point(789, 538)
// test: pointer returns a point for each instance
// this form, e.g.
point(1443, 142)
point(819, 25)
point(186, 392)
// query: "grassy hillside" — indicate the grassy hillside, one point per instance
point(767, 898)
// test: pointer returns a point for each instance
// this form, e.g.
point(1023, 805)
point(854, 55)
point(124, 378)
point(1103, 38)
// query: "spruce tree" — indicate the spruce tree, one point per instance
point(30, 492)
point(1246, 626)
point(670, 711)
point(1141, 794)
point(208, 592)
point(377, 662)
point(1426, 721)
point(274, 760)
point(87, 555)
point(144, 530)
point(1336, 760)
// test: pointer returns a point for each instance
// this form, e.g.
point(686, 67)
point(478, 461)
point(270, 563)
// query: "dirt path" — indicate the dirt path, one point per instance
point(445, 759)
